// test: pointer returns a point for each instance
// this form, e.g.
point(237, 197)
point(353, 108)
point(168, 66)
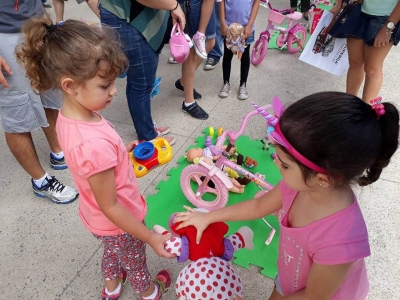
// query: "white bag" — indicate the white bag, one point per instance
point(333, 58)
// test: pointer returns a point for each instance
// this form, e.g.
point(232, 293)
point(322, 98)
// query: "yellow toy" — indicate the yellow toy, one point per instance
point(147, 156)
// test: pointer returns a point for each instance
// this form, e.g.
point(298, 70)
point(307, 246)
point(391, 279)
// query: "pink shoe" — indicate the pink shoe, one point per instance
point(199, 43)
point(163, 282)
point(122, 279)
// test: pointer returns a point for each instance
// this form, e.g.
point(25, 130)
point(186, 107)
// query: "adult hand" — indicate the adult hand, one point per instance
point(195, 218)
point(179, 16)
point(382, 39)
point(131, 145)
point(156, 241)
point(224, 29)
point(336, 8)
point(247, 31)
point(6, 67)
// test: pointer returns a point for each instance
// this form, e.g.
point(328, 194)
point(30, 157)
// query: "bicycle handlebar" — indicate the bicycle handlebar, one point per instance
point(233, 136)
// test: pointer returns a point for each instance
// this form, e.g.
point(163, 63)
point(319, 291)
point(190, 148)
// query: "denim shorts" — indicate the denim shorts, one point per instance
point(21, 109)
point(373, 24)
point(193, 13)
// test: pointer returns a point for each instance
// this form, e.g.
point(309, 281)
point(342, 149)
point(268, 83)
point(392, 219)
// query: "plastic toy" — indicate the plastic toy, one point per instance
point(250, 163)
point(195, 179)
point(293, 37)
point(202, 279)
point(235, 40)
point(148, 155)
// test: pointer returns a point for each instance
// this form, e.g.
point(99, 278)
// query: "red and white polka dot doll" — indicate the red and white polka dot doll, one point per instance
point(209, 275)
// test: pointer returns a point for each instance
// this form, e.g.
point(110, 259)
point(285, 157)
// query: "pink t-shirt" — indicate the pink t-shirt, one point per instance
point(90, 148)
point(337, 239)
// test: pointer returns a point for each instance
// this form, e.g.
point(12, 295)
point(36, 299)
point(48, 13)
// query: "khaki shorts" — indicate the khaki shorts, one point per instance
point(21, 110)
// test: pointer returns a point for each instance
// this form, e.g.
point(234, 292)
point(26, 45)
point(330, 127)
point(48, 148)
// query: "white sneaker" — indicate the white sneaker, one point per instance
point(55, 191)
point(226, 89)
point(242, 93)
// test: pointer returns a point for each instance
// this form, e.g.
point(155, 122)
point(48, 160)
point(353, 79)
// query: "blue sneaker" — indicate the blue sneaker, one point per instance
point(55, 191)
point(57, 163)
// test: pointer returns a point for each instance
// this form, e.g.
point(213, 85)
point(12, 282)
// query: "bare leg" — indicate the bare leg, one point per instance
point(58, 10)
point(355, 74)
point(275, 295)
point(189, 68)
point(50, 131)
point(94, 6)
point(22, 147)
point(373, 67)
point(206, 10)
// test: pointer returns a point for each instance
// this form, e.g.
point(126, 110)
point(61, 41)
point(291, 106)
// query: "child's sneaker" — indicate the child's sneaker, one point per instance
point(122, 279)
point(163, 282)
point(199, 43)
point(242, 93)
point(226, 89)
point(55, 191)
point(57, 163)
point(210, 64)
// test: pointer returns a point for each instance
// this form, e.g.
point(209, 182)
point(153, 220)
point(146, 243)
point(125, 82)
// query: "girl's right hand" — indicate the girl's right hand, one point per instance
point(179, 16)
point(195, 218)
point(157, 241)
point(224, 29)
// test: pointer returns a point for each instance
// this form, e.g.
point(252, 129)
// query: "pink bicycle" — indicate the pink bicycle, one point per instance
point(292, 37)
point(205, 185)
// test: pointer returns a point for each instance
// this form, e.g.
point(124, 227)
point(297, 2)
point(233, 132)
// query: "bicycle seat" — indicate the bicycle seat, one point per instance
point(295, 15)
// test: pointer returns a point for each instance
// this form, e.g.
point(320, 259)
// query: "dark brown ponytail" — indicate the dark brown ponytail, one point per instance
point(389, 124)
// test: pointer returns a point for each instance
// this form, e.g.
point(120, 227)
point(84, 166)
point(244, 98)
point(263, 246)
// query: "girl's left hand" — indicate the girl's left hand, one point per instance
point(382, 39)
point(131, 145)
point(247, 31)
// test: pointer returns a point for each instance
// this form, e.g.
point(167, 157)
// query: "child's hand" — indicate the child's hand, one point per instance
point(224, 29)
point(247, 31)
point(6, 67)
point(156, 241)
point(131, 145)
point(195, 218)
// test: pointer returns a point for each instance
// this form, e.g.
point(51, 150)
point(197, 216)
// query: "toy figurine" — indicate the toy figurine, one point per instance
point(209, 275)
point(235, 40)
point(212, 154)
point(250, 163)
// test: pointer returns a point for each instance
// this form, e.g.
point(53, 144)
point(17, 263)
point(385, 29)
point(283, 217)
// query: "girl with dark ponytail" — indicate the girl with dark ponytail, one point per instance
point(325, 143)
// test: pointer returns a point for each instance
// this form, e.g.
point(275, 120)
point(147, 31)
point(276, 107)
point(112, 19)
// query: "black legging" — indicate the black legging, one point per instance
point(304, 5)
point(244, 64)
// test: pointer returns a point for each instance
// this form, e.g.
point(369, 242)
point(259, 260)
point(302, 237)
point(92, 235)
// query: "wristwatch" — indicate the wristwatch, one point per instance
point(390, 25)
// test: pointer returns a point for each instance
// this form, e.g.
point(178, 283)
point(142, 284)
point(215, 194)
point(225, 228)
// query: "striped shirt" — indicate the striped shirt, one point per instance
point(151, 23)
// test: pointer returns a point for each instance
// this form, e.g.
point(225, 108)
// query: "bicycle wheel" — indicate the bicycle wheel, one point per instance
point(211, 197)
point(259, 50)
point(298, 37)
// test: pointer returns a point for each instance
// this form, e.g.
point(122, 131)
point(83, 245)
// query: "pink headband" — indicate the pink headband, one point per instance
point(280, 138)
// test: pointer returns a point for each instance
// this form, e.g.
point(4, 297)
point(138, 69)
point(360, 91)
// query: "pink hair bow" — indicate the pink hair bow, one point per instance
point(378, 106)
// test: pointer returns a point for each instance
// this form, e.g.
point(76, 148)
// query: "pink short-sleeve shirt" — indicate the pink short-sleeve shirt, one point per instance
point(337, 239)
point(90, 148)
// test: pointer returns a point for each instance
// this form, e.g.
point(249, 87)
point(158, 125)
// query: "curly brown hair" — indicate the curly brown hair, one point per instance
point(73, 49)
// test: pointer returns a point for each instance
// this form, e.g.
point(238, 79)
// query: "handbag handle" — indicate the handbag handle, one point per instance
point(176, 28)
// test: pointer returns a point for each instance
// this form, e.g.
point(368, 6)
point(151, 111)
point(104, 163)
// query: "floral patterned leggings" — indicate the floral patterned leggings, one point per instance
point(127, 252)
